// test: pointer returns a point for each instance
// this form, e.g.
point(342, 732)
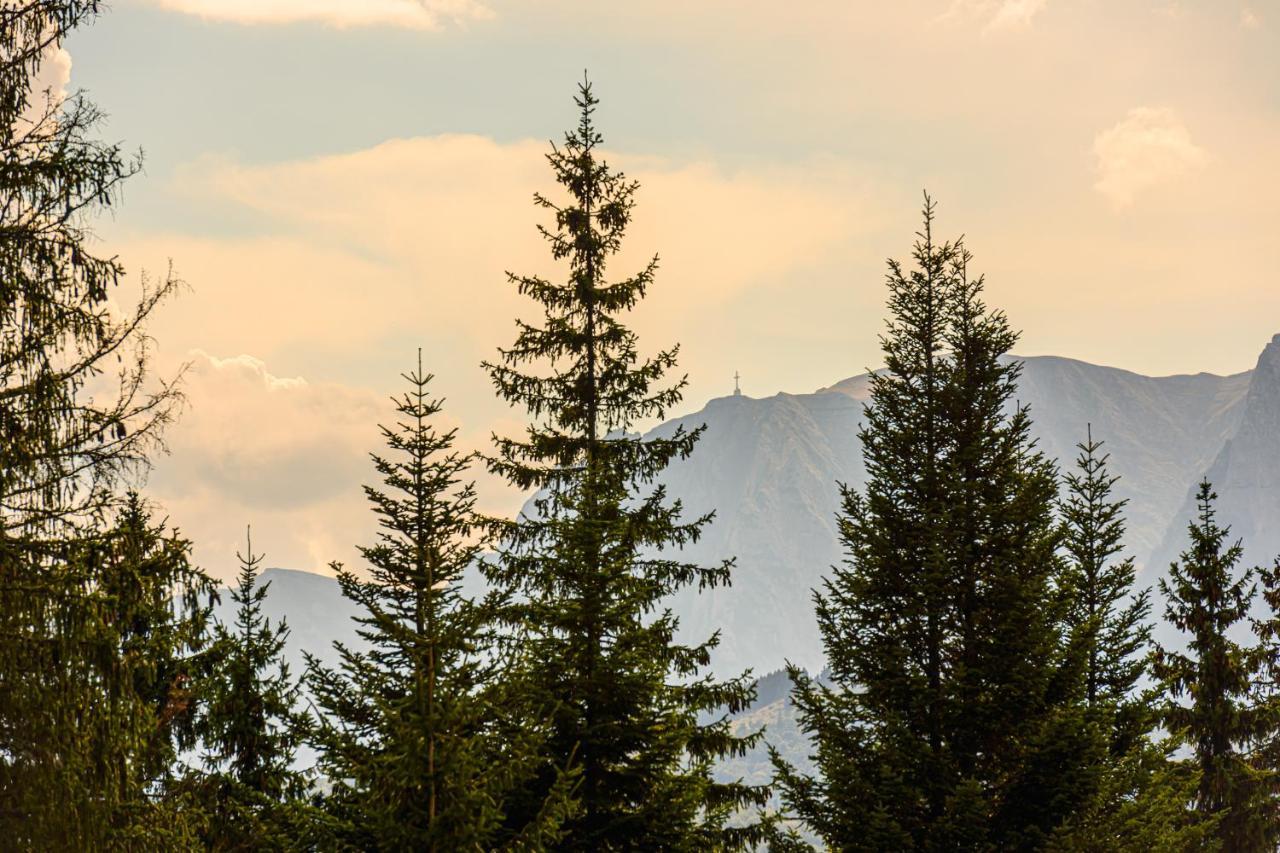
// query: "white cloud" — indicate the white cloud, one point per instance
point(282, 454)
point(1015, 14)
point(413, 14)
point(996, 15)
point(1148, 148)
point(287, 456)
point(363, 256)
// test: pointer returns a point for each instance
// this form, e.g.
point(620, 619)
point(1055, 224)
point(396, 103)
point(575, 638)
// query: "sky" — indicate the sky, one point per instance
point(343, 182)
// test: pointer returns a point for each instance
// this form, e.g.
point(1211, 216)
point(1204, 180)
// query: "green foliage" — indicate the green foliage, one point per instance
point(1266, 700)
point(594, 562)
point(109, 705)
point(1104, 615)
point(91, 639)
point(1127, 794)
point(250, 728)
point(423, 736)
point(1208, 686)
point(945, 727)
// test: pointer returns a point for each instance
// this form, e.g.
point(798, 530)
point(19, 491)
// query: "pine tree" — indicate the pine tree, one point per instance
point(941, 730)
point(1104, 610)
point(1130, 796)
point(1208, 686)
point(421, 736)
point(119, 665)
point(250, 727)
point(1266, 703)
point(597, 559)
point(68, 745)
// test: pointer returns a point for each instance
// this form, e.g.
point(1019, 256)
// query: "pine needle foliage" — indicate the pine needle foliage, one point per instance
point(250, 726)
point(943, 728)
point(91, 767)
point(1130, 794)
point(75, 416)
point(422, 737)
point(593, 563)
point(1209, 686)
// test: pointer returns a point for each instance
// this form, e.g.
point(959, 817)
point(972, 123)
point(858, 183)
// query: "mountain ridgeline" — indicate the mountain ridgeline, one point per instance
point(769, 467)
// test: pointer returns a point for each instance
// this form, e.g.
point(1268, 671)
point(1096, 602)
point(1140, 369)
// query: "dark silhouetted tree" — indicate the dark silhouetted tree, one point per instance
point(1209, 686)
point(250, 727)
point(1129, 795)
point(422, 736)
point(75, 415)
point(946, 726)
point(592, 566)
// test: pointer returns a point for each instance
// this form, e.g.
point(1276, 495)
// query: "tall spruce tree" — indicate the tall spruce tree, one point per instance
point(941, 730)
point(70, 751)
point(421, 736)
point(250, 727)
point(1130, 796)
point(1209, 686)
point(595, 561)
point(1108, 618)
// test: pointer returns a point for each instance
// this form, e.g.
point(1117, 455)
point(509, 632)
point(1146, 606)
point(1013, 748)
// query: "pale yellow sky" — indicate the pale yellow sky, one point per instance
point(1112, 164)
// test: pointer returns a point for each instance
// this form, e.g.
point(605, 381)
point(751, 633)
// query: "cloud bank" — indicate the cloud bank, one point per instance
point(412, 14)
point(284, 455)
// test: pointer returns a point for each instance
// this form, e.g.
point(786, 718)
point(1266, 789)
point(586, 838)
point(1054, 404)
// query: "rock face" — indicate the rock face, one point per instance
point(1245, 473)
point(769, 468)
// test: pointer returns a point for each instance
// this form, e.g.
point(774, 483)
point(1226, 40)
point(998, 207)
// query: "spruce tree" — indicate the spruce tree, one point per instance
point(422, 739)
point(1105, 614)
point(70, 748)
point(118, 669)
point(1209, 685)
point(941, 730)
point(593, 565)
point(1130, 795)
point(250, 727)
point(1266, 702)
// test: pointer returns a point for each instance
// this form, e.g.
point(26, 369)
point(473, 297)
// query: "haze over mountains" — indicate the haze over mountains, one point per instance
point(769, 469)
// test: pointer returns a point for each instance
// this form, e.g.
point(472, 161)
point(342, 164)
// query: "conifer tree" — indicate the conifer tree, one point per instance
point(1130, 796)
point(1108, 617)
point(593, 565)
point(1266, 703)
point(250, 727)
point(1209, 686)
point(62, 451)
point(941, 730)
point(118, 670)
point(421, 736)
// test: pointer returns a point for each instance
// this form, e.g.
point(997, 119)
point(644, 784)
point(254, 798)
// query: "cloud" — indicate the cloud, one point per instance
point(1148, 148)
point(357, 259)
point(455, 211)
point(413, 14)
point(996, 15)
point(407, 244)
point(283, 454)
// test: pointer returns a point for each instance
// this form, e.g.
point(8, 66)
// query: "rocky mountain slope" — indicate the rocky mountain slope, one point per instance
point(769, 469)
point(1245, 472)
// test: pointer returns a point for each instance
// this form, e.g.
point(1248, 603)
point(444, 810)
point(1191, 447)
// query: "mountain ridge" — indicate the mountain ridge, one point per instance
point(768, 467)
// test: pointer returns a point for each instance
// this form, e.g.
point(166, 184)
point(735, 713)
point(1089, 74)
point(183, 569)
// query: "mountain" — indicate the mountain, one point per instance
point(1245, 472)
point(769, 469)
point(314, 609)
